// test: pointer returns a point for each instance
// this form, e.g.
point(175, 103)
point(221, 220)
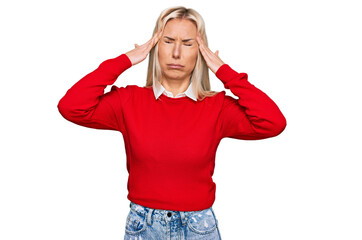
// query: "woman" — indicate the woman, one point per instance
point(172, 126)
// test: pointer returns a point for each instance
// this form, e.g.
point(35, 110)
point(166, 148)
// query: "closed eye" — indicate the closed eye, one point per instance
point(185, 44)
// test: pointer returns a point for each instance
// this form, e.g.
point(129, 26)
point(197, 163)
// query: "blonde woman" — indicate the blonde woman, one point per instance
point(172, 126)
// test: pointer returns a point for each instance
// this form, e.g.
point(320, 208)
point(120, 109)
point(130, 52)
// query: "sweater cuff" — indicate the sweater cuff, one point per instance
point(225, 73)
point(124, 60)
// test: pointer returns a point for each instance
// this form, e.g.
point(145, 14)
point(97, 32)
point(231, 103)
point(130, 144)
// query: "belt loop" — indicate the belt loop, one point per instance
point(183, 218)
point(149, 215)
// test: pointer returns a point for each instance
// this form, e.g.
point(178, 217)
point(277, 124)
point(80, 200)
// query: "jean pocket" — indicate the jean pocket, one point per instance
point(202, 222)
point(135, 223)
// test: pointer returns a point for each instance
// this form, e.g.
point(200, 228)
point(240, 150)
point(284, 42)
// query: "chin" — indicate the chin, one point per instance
point(176, 74)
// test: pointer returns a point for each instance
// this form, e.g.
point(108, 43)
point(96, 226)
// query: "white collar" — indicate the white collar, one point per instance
point(158, 89)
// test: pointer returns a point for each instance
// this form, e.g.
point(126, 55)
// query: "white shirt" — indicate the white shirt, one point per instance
point(158, 89)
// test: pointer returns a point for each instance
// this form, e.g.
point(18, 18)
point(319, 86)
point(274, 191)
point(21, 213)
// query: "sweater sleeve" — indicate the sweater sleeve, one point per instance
point(253, 115)
point(86, 104)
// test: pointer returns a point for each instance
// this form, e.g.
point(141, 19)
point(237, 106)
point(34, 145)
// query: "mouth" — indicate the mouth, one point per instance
point(176, 66)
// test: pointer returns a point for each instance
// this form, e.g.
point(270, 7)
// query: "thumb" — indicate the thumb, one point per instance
point(217, 52)
point(136, 45)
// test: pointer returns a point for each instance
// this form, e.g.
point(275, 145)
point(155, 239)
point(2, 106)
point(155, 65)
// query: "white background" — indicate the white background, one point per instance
point(62, 181)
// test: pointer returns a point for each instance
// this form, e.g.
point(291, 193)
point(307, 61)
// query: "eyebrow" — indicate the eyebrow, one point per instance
point(184, 40)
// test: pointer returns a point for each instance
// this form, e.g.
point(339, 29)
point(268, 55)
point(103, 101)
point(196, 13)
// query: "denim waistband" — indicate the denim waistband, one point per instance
point(162, 215)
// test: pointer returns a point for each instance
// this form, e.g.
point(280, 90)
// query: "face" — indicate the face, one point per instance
point(178, 45)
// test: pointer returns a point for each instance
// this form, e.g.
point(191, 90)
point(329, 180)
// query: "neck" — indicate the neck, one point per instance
point(175, 86)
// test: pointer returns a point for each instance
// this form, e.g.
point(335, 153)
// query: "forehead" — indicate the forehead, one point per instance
point(180, 27)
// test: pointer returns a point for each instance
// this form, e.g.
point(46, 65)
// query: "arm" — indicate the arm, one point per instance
point(251, 117)
point(86, 104)
point(254, 115)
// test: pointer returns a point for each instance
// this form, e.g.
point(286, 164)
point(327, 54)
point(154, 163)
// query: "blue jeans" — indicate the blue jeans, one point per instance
point(145, 223)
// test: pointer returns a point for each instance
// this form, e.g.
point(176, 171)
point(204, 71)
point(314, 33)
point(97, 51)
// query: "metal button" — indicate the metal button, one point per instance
point(169, 214)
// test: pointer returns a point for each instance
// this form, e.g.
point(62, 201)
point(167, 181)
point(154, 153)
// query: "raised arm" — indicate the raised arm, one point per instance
point(86, 104)
point(251, 117)
point(254, 115)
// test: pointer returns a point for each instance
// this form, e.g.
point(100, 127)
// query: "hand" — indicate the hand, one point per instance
point(212, 59)
point(140, 53)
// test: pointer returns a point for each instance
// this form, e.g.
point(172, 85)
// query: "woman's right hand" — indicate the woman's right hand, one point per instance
point(140, 53)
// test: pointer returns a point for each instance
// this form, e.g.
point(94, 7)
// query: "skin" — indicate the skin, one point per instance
point(176, 51)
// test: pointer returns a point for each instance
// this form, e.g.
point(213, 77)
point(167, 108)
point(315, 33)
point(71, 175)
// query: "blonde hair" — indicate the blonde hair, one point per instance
point(200, 75)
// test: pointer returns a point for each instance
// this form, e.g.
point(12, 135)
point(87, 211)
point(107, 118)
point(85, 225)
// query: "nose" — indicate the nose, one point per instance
point(176, 51)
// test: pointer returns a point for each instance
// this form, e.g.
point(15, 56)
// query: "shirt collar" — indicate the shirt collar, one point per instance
point(158, 89)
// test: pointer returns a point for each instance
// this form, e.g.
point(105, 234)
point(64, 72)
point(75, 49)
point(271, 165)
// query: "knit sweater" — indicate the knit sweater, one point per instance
point(171, 143)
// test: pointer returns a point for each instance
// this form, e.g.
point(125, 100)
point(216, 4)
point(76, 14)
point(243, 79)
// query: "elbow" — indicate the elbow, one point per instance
point(279, 126)
point(271, 128)
point(74, 113)
point(63, 106)
point(65, 109)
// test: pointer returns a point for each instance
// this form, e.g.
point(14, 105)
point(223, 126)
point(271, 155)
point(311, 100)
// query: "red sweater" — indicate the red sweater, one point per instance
point(171, 143)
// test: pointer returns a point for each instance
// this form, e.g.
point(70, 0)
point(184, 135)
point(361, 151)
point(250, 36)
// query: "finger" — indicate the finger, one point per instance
point(209, 55)
point(160, 33)
point(199, 41)
point(153, 40)
point(158, 36)
point(198, 38)
point(208, 51)
point(203, 47)
point(155, 36)
point(205, 50)
point(145, 45)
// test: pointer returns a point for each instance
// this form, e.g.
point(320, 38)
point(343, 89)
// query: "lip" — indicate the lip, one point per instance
point(177, 66)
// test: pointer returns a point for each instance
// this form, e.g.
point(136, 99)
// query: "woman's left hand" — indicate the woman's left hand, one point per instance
point(213, 60)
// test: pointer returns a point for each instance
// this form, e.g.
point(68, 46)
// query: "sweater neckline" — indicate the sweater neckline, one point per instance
point(171, 99)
